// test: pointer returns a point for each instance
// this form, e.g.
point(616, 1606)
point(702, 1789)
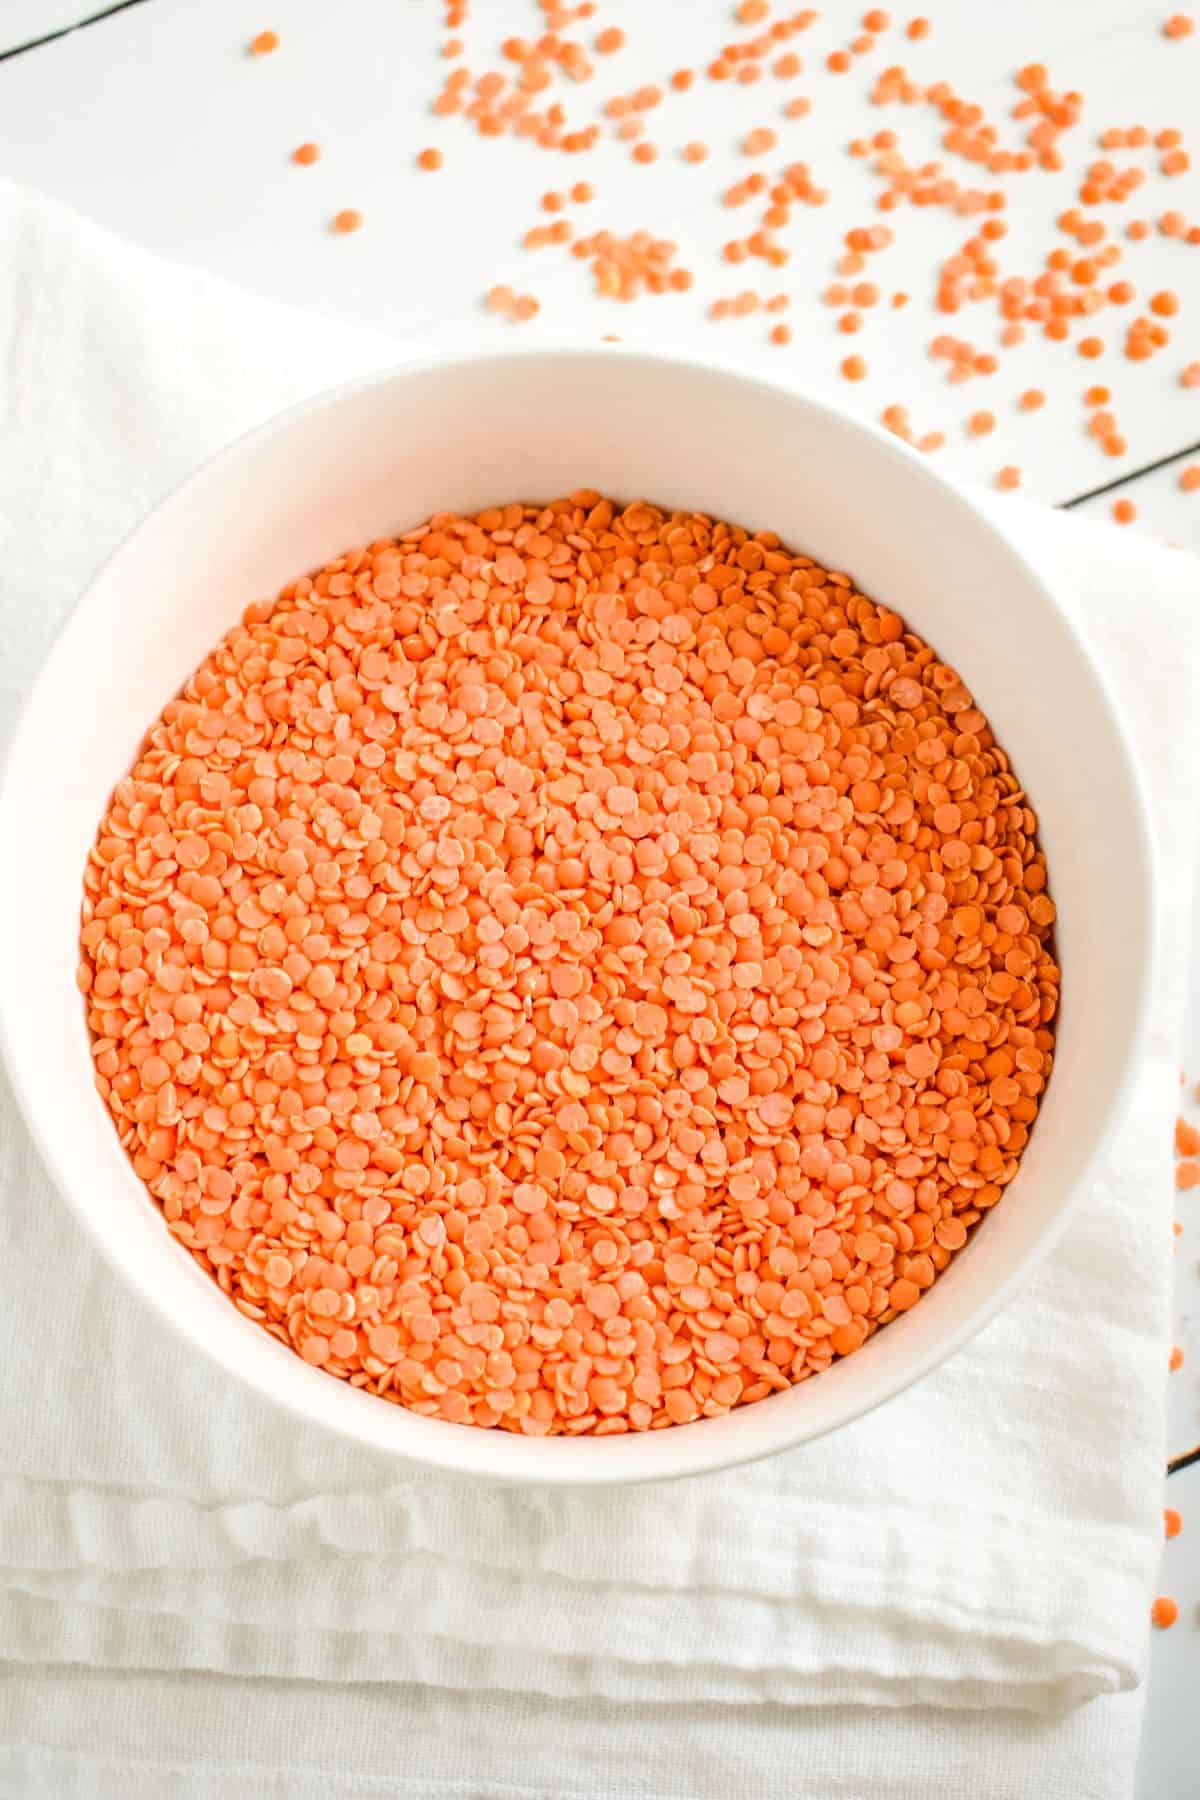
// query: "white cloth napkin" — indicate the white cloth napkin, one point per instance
point(969, 1563)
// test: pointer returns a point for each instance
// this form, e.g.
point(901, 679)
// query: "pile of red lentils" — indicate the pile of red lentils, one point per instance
point(572, 969)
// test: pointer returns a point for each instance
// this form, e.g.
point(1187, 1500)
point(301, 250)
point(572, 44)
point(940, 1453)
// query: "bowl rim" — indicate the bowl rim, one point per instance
point(467, 1450)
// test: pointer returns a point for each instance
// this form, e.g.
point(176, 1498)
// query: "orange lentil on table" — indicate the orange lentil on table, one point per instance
point(304, 154)
point(349, 219)
point(1189, 479)
point(1179, 25)
point(571, 969)
point(430, 159)
point(1176, 1359)
point(1124, 512)
point(1164, 1612)
point(264, 43)
point(1172, 1522)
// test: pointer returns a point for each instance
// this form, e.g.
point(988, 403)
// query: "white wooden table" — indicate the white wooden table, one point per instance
point(155, 122)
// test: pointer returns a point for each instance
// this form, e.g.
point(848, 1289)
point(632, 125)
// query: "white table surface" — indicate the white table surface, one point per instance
point(156, 123)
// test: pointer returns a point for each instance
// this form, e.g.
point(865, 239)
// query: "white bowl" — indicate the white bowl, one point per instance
point(464, 432)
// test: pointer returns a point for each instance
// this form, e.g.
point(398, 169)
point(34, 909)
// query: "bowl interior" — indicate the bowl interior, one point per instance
point(468, 432)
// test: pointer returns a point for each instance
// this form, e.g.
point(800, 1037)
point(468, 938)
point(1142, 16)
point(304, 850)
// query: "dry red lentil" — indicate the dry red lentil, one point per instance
point(349, 219)
point(1172, 1522)
point(1189, 479)
point(574, 969)
point(1124, 512)
point(305, 154)
point(1164, 1612)
point(264, 43)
